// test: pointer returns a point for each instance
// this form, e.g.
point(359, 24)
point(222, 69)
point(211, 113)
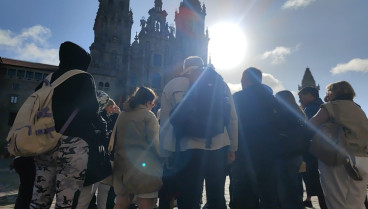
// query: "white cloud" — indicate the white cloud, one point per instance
point(234, 87)
point(357, 65)
point(6, 38)
point(277, 55)
point(31, 44)
point(267, 79)
point(271, 81)
point(296, 4)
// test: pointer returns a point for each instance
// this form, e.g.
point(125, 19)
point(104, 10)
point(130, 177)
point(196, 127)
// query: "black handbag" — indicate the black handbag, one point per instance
point(99, 166)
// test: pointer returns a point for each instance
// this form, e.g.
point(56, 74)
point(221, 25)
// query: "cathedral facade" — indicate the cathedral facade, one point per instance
point(157, 52)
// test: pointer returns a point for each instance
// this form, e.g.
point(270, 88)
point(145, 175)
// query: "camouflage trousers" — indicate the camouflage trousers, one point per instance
point(62, 172)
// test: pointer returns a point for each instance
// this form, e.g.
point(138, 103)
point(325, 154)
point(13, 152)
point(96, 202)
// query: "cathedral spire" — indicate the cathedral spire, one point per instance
point(193, 4)
point(158, 5)
point(192, 37)
point(308, 80)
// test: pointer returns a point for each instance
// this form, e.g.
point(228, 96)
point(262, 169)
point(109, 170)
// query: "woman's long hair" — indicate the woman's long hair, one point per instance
point(287, 101)
point(141, 96)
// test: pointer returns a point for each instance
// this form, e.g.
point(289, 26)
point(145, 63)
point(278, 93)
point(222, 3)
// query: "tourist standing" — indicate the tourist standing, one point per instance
point(340, 189)
point(137, 164)
point(310, 102)
point(253, 173)
point(197, 158)
point(292, 129)
point(62, 171)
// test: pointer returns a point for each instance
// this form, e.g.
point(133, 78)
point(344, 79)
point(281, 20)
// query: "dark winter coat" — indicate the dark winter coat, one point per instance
point(255, 106)
point(312, 108)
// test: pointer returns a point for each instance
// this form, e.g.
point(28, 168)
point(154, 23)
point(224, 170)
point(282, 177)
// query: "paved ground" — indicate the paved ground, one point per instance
point(9, 184)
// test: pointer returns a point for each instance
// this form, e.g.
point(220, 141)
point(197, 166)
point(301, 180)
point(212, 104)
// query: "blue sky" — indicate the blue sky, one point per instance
point(283, 37)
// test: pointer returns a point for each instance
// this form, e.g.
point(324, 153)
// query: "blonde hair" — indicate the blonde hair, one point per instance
point(341, 90)
point(193, 61)
point(110, 102)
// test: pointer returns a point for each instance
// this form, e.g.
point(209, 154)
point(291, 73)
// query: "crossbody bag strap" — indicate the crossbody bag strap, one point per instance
point(113, 136)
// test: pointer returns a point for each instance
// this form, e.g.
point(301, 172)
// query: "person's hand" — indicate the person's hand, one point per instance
point(230, 157)
point(116, 109)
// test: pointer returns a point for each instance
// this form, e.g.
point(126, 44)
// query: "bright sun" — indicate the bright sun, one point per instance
point(227, 46)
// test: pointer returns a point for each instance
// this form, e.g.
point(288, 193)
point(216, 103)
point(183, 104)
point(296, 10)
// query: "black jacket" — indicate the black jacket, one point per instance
point(312, 108)
point(255, 106)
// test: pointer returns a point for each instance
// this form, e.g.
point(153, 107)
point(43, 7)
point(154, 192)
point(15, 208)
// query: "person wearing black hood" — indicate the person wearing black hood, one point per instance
point(62, 171)
point(253, 173)
point(311, 103)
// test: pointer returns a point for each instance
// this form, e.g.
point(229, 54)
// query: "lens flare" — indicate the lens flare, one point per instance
point(227, 46)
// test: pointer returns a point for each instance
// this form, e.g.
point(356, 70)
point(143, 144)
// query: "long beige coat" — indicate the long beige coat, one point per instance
point(136, 147)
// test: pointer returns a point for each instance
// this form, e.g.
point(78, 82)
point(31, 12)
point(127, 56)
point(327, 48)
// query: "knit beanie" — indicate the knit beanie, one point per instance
point(102, 99)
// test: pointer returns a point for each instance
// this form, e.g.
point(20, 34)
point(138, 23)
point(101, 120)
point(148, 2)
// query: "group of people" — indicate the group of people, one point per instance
point(263, 145)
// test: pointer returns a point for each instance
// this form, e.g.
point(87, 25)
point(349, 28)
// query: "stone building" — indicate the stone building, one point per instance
point(118, 66)
point(18, 80)
point(308, 80)
point(158, 49)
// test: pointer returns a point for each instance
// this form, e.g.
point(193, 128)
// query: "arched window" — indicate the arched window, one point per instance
point(156, 80)
point(107, 87)
point(100, 86)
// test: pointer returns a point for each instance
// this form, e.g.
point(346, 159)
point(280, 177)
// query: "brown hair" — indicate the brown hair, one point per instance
point(287, 98)
point(254, 75)
point(141, 96)
point(341, 90)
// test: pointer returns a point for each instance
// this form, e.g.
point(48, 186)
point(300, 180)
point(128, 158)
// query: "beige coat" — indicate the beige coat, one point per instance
point(355, 125)
point(136, 145)
point(172, 94)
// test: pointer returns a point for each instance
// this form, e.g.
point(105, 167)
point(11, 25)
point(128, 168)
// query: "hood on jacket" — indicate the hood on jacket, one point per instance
point(72, 56)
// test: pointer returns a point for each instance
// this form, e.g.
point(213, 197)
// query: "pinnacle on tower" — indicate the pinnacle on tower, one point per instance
point(308, 80)
point(158, 5)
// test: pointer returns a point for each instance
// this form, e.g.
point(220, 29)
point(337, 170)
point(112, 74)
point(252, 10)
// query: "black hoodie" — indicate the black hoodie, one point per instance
point(77, 92)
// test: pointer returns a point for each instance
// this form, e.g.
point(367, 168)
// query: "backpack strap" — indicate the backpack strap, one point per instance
point(62, 78)
point(56, 83)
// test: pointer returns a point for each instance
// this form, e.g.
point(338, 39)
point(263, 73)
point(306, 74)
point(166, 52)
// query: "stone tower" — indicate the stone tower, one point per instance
point(152, 50)
point(111, 47)
point(190, 29)
point(157, 52)
point(308, 80)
